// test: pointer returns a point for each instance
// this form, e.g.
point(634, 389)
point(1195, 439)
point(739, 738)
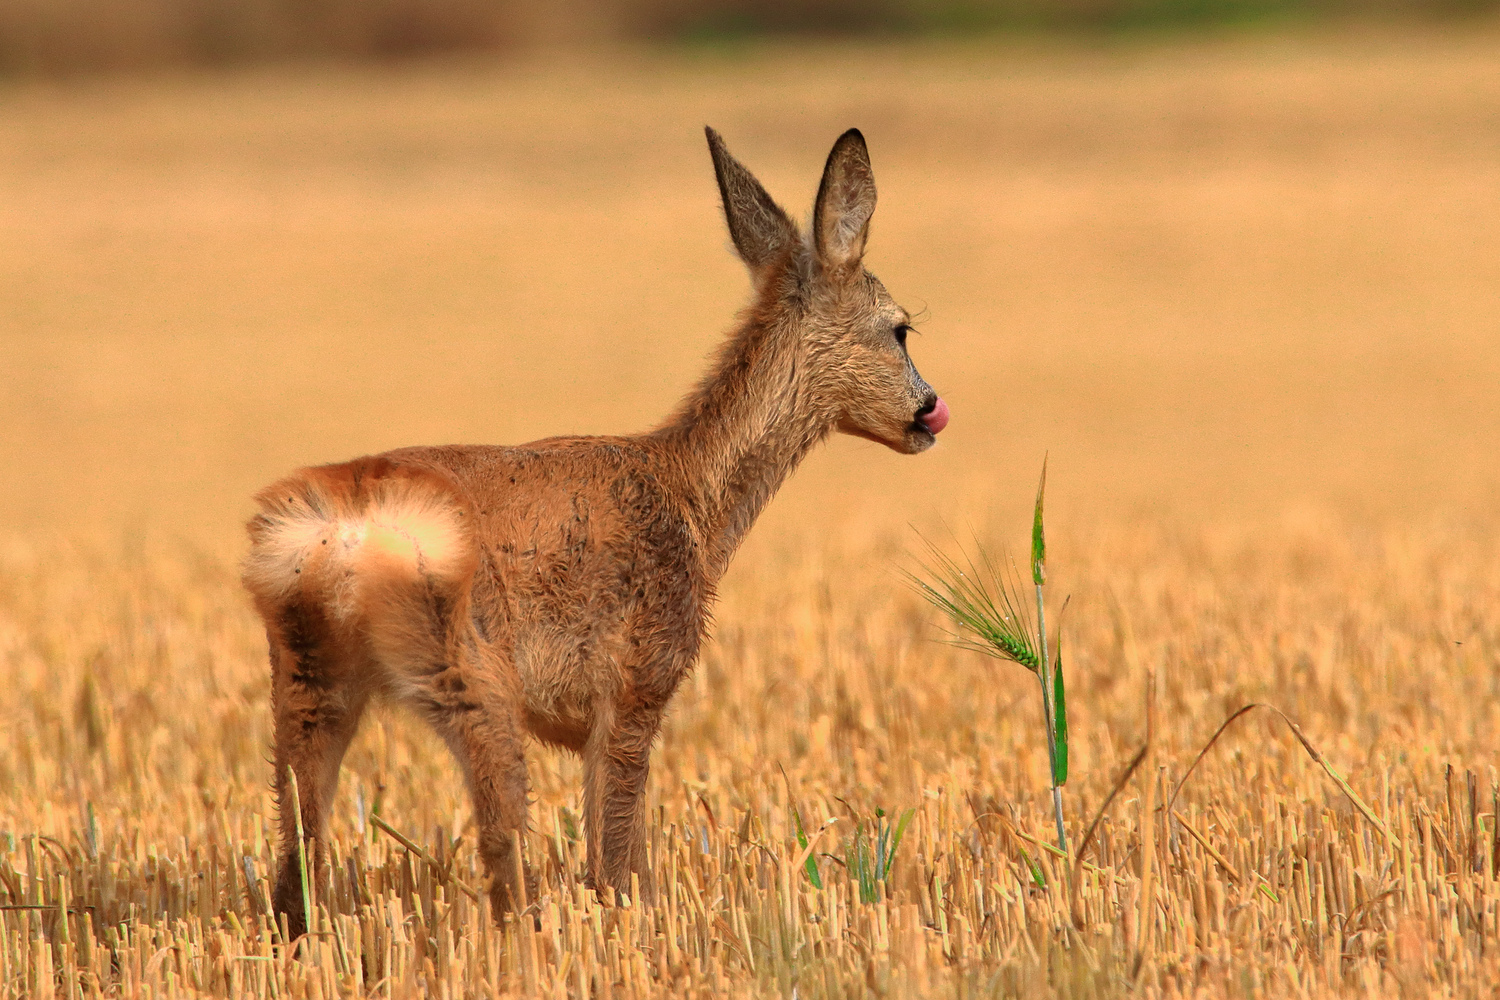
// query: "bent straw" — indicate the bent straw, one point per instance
point(1312, 752)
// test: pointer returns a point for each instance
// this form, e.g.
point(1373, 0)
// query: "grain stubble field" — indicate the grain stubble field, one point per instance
point(1242, 292)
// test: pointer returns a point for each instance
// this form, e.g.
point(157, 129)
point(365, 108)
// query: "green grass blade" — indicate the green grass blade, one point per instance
point(1038, 539)
point(1060, 721)
point(896, 839)
point(1037, 875)
point(867, 890)
point(309, 921)
point(811, 865)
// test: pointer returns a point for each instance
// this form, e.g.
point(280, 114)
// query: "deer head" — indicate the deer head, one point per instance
point(851, 332)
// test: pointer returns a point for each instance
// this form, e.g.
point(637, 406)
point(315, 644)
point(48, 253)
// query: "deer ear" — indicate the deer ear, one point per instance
point(846, 200)
point(761, 231)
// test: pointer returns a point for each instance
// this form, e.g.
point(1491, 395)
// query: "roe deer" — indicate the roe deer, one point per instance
point(562, 588)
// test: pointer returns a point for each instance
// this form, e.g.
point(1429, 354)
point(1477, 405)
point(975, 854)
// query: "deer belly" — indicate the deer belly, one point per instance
point(562, 677)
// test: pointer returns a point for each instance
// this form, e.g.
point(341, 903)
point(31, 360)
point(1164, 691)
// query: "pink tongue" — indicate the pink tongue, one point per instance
point(938, 418)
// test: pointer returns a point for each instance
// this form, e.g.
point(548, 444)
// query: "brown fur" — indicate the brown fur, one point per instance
point(561, 588)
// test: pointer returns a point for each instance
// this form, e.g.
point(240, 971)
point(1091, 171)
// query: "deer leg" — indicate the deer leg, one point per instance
point(617, 760)
point(316, 719)
point(490, 750)
point(481, 723)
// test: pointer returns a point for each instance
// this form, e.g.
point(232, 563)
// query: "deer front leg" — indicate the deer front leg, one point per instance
point(617, 760)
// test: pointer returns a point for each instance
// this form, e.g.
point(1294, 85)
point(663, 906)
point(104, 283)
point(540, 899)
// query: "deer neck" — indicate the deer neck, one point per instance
point(738, 436)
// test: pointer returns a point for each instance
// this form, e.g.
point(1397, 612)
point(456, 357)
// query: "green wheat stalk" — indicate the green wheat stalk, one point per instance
point(1054, 704)
point(982, 603)
point(987, 614)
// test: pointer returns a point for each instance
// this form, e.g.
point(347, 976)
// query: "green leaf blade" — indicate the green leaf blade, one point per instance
point(896, 839)
point(1038, 537)
point(1037, 875)
point(1060, 721)
point(811, 865)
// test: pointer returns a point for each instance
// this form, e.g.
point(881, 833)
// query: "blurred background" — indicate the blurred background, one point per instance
point(55, 35)
point(1226, 260)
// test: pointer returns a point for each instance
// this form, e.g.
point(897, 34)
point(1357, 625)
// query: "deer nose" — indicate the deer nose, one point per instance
point(934, 415)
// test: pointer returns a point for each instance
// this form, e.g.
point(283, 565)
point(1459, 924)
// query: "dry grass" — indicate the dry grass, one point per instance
point(1245, 292)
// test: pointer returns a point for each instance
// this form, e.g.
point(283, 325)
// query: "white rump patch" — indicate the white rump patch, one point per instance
point(403, 530)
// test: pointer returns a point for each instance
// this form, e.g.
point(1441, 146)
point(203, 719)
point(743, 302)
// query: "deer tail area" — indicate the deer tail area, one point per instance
point(369, 557)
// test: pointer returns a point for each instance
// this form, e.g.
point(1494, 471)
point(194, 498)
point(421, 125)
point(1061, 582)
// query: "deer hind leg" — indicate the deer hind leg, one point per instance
point(317, 710)
point(617, 761)
point(357, 569)
point(463, 692)
point(489, 749)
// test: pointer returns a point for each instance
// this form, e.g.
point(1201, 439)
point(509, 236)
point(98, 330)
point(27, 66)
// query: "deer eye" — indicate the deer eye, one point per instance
point(901, 331)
